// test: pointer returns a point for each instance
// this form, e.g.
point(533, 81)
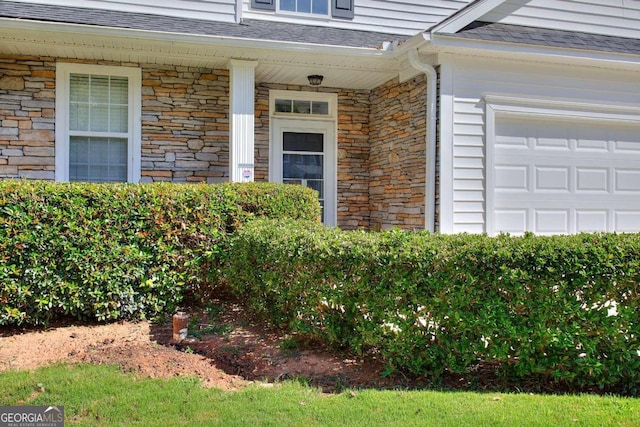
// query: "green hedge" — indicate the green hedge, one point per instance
point(562, 308)
point(120, 251)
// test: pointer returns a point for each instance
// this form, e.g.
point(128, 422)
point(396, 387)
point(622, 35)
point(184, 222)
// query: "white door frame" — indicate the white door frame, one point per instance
point(328, 129)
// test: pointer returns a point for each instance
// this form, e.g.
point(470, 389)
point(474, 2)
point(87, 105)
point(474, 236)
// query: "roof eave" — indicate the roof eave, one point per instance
point(444, 43)
point(67, 28)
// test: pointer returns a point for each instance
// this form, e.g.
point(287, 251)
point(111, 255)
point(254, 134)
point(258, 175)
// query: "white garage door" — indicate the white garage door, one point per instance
point(558, 176)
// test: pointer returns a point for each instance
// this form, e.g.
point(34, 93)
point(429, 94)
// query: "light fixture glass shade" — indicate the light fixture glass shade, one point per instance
point(315, 79)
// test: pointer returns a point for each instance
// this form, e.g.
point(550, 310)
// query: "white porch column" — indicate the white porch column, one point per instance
point(241, 119)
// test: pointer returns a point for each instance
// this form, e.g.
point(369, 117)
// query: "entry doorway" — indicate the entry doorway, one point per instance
point(303, 152)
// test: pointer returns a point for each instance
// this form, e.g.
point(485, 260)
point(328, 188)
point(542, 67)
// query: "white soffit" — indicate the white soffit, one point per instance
point(287, 63)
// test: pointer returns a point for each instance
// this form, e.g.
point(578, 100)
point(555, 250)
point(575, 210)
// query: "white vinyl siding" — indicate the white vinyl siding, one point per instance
point(610, 17)
point(407, 17)
point(215, 10)
point(470, 81)
point(97, 123)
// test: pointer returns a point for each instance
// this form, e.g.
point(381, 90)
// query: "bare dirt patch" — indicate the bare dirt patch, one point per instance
point(226, 349)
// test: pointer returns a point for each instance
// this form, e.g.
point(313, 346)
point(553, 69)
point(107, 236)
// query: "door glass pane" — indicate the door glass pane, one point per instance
point(302, 166)
point(297, 141)
point(97, 159)
point(303, 161)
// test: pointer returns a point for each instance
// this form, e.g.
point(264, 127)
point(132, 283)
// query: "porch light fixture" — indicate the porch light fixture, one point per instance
point(315, 79)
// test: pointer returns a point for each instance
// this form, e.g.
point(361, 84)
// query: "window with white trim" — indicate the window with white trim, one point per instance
point(315, 7)
point(343, 9)
point(97, 123)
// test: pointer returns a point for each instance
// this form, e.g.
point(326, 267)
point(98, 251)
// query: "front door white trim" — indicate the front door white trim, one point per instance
point(328, 130)
point(307, 122)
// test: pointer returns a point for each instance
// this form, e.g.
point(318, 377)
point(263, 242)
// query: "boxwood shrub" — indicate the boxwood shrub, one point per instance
point(121, 251)
point(561, 309)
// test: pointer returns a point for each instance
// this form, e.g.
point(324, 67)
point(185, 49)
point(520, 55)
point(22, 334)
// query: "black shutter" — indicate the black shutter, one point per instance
point(264, 4)
point(342, 9)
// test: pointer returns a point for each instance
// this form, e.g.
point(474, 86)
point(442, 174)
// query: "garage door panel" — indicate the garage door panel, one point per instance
point(592, 145)
point(512, 178)
point(551, 221)
point(549, 178)
point(591, 220)
point(590, 180)
point(513, 221)
point(627, 181)
point(627, 147)
point(626, 220)
point(560, 176)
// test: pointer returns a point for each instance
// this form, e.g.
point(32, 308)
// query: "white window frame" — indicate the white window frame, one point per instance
point(308, 14)
point(329, 98)
point(296, 122)
point(133, 134)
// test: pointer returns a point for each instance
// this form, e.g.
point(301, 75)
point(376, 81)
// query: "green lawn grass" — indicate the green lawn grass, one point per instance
point(104, 396)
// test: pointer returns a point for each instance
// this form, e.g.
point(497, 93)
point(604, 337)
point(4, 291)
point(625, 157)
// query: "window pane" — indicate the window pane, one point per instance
point(79, 90)
point(283, 105)
point(99, 118)
point(302, 107)
point(289, 5)
point(119, 91)
point(320, 108)
point(97, 159)
point(297, 141)
point(304, 6)
point(320, 7)
point(99, 89)
point(79, 117)
point(118, 118)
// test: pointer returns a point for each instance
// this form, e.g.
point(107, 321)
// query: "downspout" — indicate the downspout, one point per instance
point(430, 138)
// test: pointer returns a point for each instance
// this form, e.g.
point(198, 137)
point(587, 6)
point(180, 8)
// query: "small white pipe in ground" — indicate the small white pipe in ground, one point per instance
point(430, 138)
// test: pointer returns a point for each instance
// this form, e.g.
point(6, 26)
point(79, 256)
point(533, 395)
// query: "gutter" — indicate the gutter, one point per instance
point(211, 40)
point(430, 138)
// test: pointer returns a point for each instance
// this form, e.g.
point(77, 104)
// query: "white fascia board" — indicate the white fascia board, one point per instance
point(465, 16)
point(171, 37)
point(556, 55)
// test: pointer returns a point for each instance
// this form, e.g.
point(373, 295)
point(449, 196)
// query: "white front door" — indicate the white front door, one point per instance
point(303, 152)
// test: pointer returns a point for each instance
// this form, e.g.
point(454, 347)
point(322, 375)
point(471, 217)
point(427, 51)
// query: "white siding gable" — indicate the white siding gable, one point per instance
point(406, 17)
point(609, 17)
point(215, 10)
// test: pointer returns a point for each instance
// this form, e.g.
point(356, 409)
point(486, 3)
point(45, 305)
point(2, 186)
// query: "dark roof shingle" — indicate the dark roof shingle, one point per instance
point(248, 29)
point(547, 37)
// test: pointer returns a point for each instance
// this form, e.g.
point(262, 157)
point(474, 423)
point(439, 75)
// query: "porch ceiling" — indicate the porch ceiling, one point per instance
point(285, 63)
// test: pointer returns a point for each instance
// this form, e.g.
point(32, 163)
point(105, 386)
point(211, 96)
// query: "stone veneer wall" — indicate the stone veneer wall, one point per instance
point(185, 127)
point(353, 149)
point(185, 124)
point(27, 115)
point(397, 158)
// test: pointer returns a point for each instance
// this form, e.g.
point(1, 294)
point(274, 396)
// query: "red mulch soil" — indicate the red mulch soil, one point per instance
point(227, 350)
